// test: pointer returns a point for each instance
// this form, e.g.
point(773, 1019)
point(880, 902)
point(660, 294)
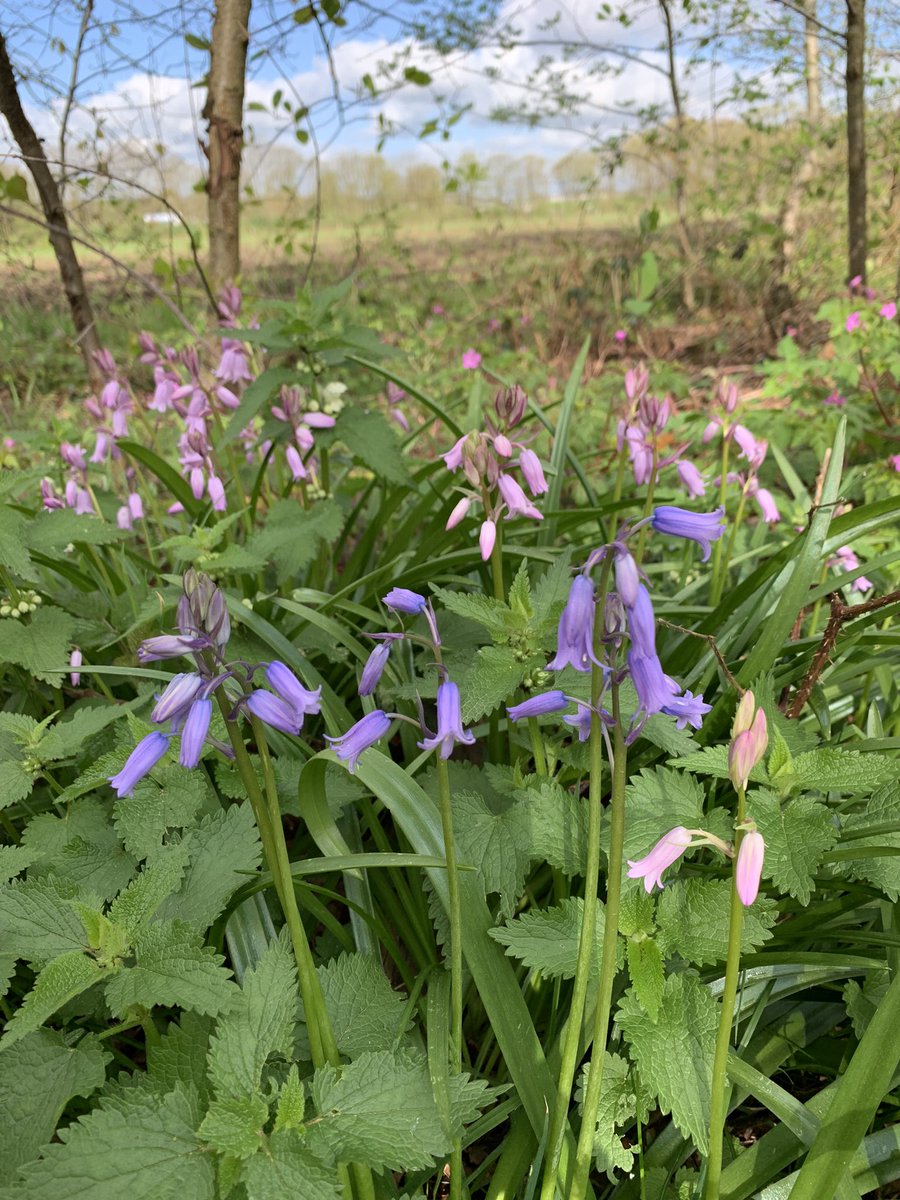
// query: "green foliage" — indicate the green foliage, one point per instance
point(40, 645)
point(497, 843)
point(547, 940)
point(797, 833)
point(366, 1013)
point(618, 1105)
point(692, 916)
point(172, 967)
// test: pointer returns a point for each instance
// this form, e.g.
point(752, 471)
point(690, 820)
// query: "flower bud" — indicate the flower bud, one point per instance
point(746, 750)
point(510, 405)
point(748, 869)
point(487, 538)
point(460, 509)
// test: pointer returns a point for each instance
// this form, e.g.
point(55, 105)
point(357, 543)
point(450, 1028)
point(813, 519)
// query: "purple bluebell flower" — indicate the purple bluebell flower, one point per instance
point(652, 685)
point(745, 440)
point(194, 733)
point(642, 623)
point(580, 721)
point(48, 495)
point(454, 456)
point(140, 762)
point(703, 528)
point(687, 710)
point(666, 851)
point(449, 721)
point(216, 489)
point(627, 577)
point(539, 706)
point(372, 671)
point(359, 737)
point(274, 711)
point(179, 694)
point(282, 680)
point(749, 865)
point(73, 456)
point(168, 645)
point(405, 601)
point(575, 638)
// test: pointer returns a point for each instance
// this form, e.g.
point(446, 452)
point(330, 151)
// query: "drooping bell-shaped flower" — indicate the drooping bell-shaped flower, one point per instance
point(517, 503)
point(653, 686)
point(449, 722)
point(404, 601)
point(487, 538)
point(703, 528)
point(539, 706)
point(193, 735)
point(749, 865)
point(533, 472)
point(75, 661)
point(374, 668)
point(687, 710)
point(666, 852)
point(179, 694)
point(359, 737)
point(575, 636)
point(274, 711)
point(140, 762)
point(642, 623)
point(691, 479)
point(627, 577)
point(167, 645)
point(281, 679)
point(460, 509)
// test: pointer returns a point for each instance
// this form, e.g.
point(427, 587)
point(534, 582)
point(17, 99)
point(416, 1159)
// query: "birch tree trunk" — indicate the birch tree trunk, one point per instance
point(223, 113)
point(54, 213)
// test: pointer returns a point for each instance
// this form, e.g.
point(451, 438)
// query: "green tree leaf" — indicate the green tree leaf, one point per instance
point(172, 967)
point(365, 1011)
point(693, 916)
point(796, 834)
point(674, 1055)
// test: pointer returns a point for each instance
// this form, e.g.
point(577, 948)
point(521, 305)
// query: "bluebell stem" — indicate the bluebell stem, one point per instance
point(576, 628)
point(703, 528)
point(405, 601)
point(642, 623)
point(140, 762)
point(372, 671)
point(449, 722)
point(194, 733)
point(177, 697)
point(274, 711)
point(359, 737)
point(303, 701)
point(539, 706)
point(652, 685)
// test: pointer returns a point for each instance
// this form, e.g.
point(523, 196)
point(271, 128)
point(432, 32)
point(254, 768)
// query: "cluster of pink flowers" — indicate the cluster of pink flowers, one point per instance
point(640, 430)
point(752, 449)
point(486, 458)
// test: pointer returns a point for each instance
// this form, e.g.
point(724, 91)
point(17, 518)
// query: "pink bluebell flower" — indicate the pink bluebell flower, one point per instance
point(517, 503)
point(575, 636)
point(888, 311)
point(75, 661)
point(748, 745)
point(691, 479)
point(216, 491)
point(449, 722)
point(487, 538)
point(233, 366)
point(359, 737)
point(666, 852)
point(532, 472)
point(140, 762)
point(767, 506)
point(460, 510)
point(749, 865)
point(702, 528)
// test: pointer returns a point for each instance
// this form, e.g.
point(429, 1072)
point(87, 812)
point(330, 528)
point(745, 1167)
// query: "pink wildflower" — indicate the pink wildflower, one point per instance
point(836, 399)
point(888, 311)
point(471, 360)
point(853, 322)
point(620, 335)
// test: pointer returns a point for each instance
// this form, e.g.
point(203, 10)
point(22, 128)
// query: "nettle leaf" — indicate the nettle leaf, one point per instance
point(134, 908)
point(674, 1055)
point(84, 820)
point(13, 554)
point(99, 870)
point(496, 843)
point(378, 1110)
point(713, 760)
point(655, 801)
point(70, 736)
point(38, 1077)
point(616, 1107)
point(179, 1056)
point(796, 834)
point(13, 860)
point(365, 1011)
point(693, 917)
point(50, 532)
point(39, 644)
point(235, 1125)
point(173, 801)
point(882, 871)
point(830, 770)
point(259, 1023)
point(15, 781)
point(862, 1002)
point(291, 1102)
point(38, 920)
point(292, 534)
point(369, 438)
point(62, 979)
point(492, 677)
point(288, 1169)
point(557, 826)
point(172, 967)
point(224, 849)
point(146, 1150)
point(546, 939)
point(493, 615)
point(647, 973)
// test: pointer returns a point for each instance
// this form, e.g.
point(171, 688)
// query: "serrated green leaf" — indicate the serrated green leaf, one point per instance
point(50, 532)
point(883, 872)
point(827, 769)
point(693, 914)
point(366, 1013)
point(173, 801)
point(292, 535)
point(235, 1125)
point(780, 758)
point(179, 1056)
point(147, 1152)
point(520, 593)
point(546, 939)
point(37, 919)
point(224, 849)
point(39, 644)
point(13, 554)
point(69, 736)
point(656, 801)
point(645, 969)
point(492, 677)
point(94, 869)
point(260, 1022)
point(674, 1055)
point(14, 859)
point(135, 907)
point(556, 821)
point(172, 967)
point(61, 980)
point(291, 1102)
point(493, 615)
point(796, 834)
point(38, 1077)
point(379, 1110)
point(288, 1169)
point(616, 1107)
point(369, 438)
point(495, 843)
point(636, 912)
point(85, 820)
point(713, 760)
point(862, 1002)
point(15, 782)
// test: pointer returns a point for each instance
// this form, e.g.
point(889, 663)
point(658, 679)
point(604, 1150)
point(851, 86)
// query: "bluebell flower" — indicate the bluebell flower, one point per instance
point(168, 645)
point(449, 721)
point(140, 762)
point(372, 671)
point(652, 685)
point(539, 706)
point(575, 639)
point(687, 710)
point(289, 688)
point(365, 733)
point(178, 696)
point(703, 528)
point(642, 623)
point(194, 733)
point(627, 577)
point(274, 711)
point(405, 601)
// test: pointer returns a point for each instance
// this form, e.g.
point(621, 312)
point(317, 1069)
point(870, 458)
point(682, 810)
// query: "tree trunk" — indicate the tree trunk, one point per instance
point(808, 165)
point(54, 213)
point(811, 59)
point(223, 112)
point(687, 249)
point(856, 139)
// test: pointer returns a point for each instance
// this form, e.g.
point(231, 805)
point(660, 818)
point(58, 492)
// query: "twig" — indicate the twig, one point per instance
point(86, 16)
point(840, 613)
point(711, 642)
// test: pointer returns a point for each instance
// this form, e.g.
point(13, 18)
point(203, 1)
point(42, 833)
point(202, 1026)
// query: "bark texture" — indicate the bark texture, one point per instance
point(224, 112)
point(54, 213)
point(684, 237)
point(856, 139)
